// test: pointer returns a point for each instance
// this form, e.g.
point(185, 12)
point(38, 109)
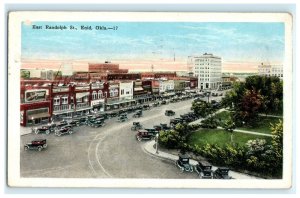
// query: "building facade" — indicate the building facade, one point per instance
point(270, 70)
point(208, 69)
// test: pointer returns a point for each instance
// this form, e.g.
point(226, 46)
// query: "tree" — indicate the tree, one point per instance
point(229, 126)
point(277, 141)
point(248, 108)
point(202, 108)
point(170, 139)
point(25, 74)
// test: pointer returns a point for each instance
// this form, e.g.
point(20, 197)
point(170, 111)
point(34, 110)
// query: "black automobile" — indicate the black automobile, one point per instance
point(183, 163)
point(164, 126)
point(37, 144)
point(144, 135)
point(204, 170)
point(95, 122)
point(43, 129)
point(81, 121)
point(136, 126)
point(164, 102)
point(122, 118)
point(152, 131)
point(170, 113)
point(221, 173)
point(74, 123)
point(64, 130)
point(156, 104)
point(138, 114)
point(175, 121)
point(146, 106)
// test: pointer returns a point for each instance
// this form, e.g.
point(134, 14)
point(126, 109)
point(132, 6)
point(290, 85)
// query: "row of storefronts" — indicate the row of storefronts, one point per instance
point(46, 101)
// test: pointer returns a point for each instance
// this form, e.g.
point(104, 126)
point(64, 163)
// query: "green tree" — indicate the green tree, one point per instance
point(229, 125)
point(277, 141)
point(202, 108)
point(25, 74)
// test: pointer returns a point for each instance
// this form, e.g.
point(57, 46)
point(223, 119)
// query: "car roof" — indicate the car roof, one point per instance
point(38, 140)
point(142, 130)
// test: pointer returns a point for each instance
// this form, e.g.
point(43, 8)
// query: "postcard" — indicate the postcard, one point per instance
point(150, 100)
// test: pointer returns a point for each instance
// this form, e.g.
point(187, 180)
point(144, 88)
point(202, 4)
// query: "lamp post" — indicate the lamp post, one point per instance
point(156, 139)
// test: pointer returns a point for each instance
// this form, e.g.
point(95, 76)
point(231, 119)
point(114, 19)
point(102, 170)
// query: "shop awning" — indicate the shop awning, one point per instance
point(81, 95)
point(62, 112)
point(38, 115)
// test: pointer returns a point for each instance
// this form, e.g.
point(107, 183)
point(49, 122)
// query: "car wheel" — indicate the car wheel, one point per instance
point(36, 132)
point(40, 148)
point(59, 134)
point(47, 132)
point(70, 132)
point(26, 148)
point(45, 146)
point(139, 139)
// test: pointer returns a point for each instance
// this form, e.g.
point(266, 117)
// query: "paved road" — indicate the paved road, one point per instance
point(108, 152)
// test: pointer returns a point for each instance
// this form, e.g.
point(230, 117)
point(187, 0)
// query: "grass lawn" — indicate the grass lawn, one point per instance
point(263, 125)
point(220, 137)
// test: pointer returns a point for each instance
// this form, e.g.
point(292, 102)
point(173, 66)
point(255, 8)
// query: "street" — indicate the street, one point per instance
point(111, 151)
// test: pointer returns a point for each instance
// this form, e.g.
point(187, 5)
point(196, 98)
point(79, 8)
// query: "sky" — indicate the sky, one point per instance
point(165, 45)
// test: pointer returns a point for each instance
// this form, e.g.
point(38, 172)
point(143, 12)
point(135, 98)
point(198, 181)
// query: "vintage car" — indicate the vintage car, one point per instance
point(145, 135)
point(183, 163)
point(136, 126)
point(64, 130)
point(164, 102)
point(138, 114)
point(95, 122)
point(37, 144)
point(221, 173)
point(156, 104)
point(175, 121)
point(161, 127)
point(43, 129)
point(146, 106)
point(170, 113)
point(74, 123)
point(122, 118)
point(81, 121)
point(204, 170)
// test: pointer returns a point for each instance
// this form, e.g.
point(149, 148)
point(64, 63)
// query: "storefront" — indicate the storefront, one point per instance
point(37, 116)
point(98, 105)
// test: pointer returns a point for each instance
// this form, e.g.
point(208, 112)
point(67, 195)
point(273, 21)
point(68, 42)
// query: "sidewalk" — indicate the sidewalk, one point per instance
point(149, 148)
point(249, 132)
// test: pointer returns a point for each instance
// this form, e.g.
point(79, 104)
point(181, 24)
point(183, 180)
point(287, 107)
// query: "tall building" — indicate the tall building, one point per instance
point(208, 69)
point(106, 67)
point(270, 70)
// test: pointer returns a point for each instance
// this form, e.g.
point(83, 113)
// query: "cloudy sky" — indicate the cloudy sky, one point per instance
point(137, 45)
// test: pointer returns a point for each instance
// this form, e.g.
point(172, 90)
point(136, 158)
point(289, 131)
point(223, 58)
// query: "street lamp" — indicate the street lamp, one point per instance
point(156, 139)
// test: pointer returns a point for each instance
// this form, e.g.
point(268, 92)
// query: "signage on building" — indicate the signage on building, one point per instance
point(35, 95)
point(97, 86)
point(113, 86)
point(97, 102)
point(81, 76)
point(60, 90)
point(82, 88)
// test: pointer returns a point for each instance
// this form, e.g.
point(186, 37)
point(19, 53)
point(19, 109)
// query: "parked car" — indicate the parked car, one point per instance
point(37, 144)
point(74, 123)
point(144, 135)
point(81, 121)
point(175, 121)
point(43, 129)
point(146, 106)
point(64, 130)
point(170, 113)
point(98, 123)
point(122, 119)
point(138, 114)
point(156, 104)
point(136, 126)
point(183, 163)
point(221, 173)
point(204, 170)
point(164, 102)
